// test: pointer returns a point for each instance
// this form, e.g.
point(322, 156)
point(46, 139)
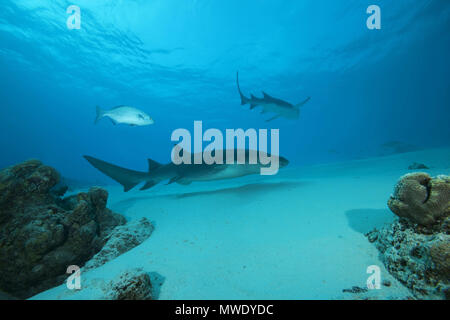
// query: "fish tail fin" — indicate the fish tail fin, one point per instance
point(99, 115)
point(126, 177)
point(244, 99)
point(298, 105)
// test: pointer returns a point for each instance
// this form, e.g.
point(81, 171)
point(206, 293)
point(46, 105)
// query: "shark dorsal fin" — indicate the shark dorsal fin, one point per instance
point(152, 165)
point(252, 96)
point(266, 95)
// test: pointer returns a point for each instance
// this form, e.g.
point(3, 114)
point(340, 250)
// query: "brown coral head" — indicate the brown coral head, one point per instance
point(440, 254)
point(421, 199)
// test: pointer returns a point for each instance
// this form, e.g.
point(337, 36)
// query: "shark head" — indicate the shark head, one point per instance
point(283, 162)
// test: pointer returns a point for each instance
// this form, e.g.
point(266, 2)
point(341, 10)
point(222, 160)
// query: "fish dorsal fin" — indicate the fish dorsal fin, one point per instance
point(152, 165)
point(266, 95)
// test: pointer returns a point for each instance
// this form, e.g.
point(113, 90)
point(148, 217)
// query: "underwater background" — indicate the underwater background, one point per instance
point(380, 101)
point(177, 61)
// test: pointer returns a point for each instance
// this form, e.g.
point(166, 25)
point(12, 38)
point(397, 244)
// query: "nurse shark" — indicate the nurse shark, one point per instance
point(270, 104)
point(183, 174)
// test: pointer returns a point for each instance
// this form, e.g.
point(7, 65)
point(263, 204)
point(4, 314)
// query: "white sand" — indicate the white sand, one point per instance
point(298, 235)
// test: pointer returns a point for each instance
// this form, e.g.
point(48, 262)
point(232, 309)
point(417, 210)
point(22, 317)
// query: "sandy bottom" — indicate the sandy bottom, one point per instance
point(297, 235)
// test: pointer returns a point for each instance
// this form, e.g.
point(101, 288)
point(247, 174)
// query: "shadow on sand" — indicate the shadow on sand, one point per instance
point(252, 189)
point(247, 191)
point(157, 281)
point(365, 220)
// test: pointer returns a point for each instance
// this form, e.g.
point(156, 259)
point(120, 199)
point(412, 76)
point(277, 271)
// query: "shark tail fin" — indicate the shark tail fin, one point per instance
point(99, 115)
point(244, 99)
point(126, 177)
point(298, 105)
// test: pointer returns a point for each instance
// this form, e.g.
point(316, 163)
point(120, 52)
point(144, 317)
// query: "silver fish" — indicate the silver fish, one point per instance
point(126, 115)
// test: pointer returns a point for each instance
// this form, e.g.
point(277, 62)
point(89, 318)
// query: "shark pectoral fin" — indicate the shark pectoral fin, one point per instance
point(273, 118)
point(179, 180)
point(127, 187)
point(148, 185)
point(173, 179)
point(184, 182)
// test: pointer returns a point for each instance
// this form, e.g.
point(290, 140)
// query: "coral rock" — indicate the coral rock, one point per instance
point(417, 257)
point(122, 239)
point(42, 234)
point(132, 284)
point(440, 254)
point(421, 199)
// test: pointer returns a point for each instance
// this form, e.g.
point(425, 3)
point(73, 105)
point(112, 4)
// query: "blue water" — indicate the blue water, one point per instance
point(177, 61)
point(373, 93)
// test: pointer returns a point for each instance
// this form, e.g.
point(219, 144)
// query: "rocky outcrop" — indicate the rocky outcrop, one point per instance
point(418, 257)
point(122, 239)
point(133, 284)
point(440, 255)
point(42, 234)
point(416, 248)
point(421, 199)
point(6, 296)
